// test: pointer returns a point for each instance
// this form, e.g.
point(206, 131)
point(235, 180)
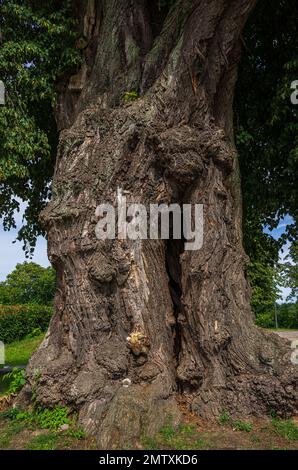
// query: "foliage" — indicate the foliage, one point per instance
point(18, 321)
point(34, 333)
point(290, 271)
point(18, 353)
point(266, 319)
point(266, 128)
point(287, 315)
point(16, 380)
point(264, 281)
point(266, 123)
point(242, 426)
point(224, 418)
point(49, 419)
point(42, 418)
point(46, 418)
point(38, 48)
point(28, 283)
point(130, 95)
point(76, 432)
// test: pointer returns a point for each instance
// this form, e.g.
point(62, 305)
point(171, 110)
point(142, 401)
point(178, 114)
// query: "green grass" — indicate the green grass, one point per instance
point(285, 428)
point(43, 442)
point(185, 437)
point(242, 426)
point(238, 425)
point(19, 352)
point(41, 429)
point(9, 432)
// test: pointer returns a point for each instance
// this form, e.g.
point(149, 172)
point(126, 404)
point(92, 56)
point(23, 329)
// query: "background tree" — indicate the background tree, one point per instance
point(28, 283)
point(266, 134)
point(290, 270)
point(267, 126)
point(288, 315)
point(265, 293)
point(37, 47)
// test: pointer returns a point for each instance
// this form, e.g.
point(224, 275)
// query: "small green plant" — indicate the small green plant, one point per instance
point(224, 418)
point(10, 414)
point(238, 425)
point(51, 418)
point(130, 96)
point(168, 430)
point(76, 433)
point(285, 428)
point(242, 426)
point(273, 414)
point(42, 418)
point(187, 429)
point(16, 380)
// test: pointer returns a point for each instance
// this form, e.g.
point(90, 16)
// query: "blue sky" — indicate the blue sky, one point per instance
point(276, 233)
point(12, 253)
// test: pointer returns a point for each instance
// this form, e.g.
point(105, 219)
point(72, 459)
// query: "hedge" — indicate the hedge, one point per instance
point(17, 321)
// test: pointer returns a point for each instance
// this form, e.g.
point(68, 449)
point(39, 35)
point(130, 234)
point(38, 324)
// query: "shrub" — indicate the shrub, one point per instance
point(17, 380)
point(265, 320)
point(18, 321)
point(43, 418)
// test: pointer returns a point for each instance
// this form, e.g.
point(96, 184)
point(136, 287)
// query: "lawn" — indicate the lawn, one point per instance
point(19, 352)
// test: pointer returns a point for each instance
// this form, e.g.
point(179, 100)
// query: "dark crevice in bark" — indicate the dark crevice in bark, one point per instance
point(157, 15)
point(174, 248)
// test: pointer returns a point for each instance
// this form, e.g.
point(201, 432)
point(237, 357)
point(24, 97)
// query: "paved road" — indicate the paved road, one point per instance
point(290, 335)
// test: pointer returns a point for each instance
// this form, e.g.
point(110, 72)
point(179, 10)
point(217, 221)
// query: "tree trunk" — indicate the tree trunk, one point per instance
point(174, 322)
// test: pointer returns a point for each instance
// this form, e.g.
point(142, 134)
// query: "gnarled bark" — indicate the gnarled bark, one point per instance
point(171, 321)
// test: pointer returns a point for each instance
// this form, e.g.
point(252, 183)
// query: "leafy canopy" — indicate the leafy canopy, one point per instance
point(267, 140)
point(37, 49)
point(267, 125)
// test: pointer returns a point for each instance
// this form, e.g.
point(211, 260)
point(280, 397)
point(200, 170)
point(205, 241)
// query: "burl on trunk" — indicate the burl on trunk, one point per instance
point(173, 322)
